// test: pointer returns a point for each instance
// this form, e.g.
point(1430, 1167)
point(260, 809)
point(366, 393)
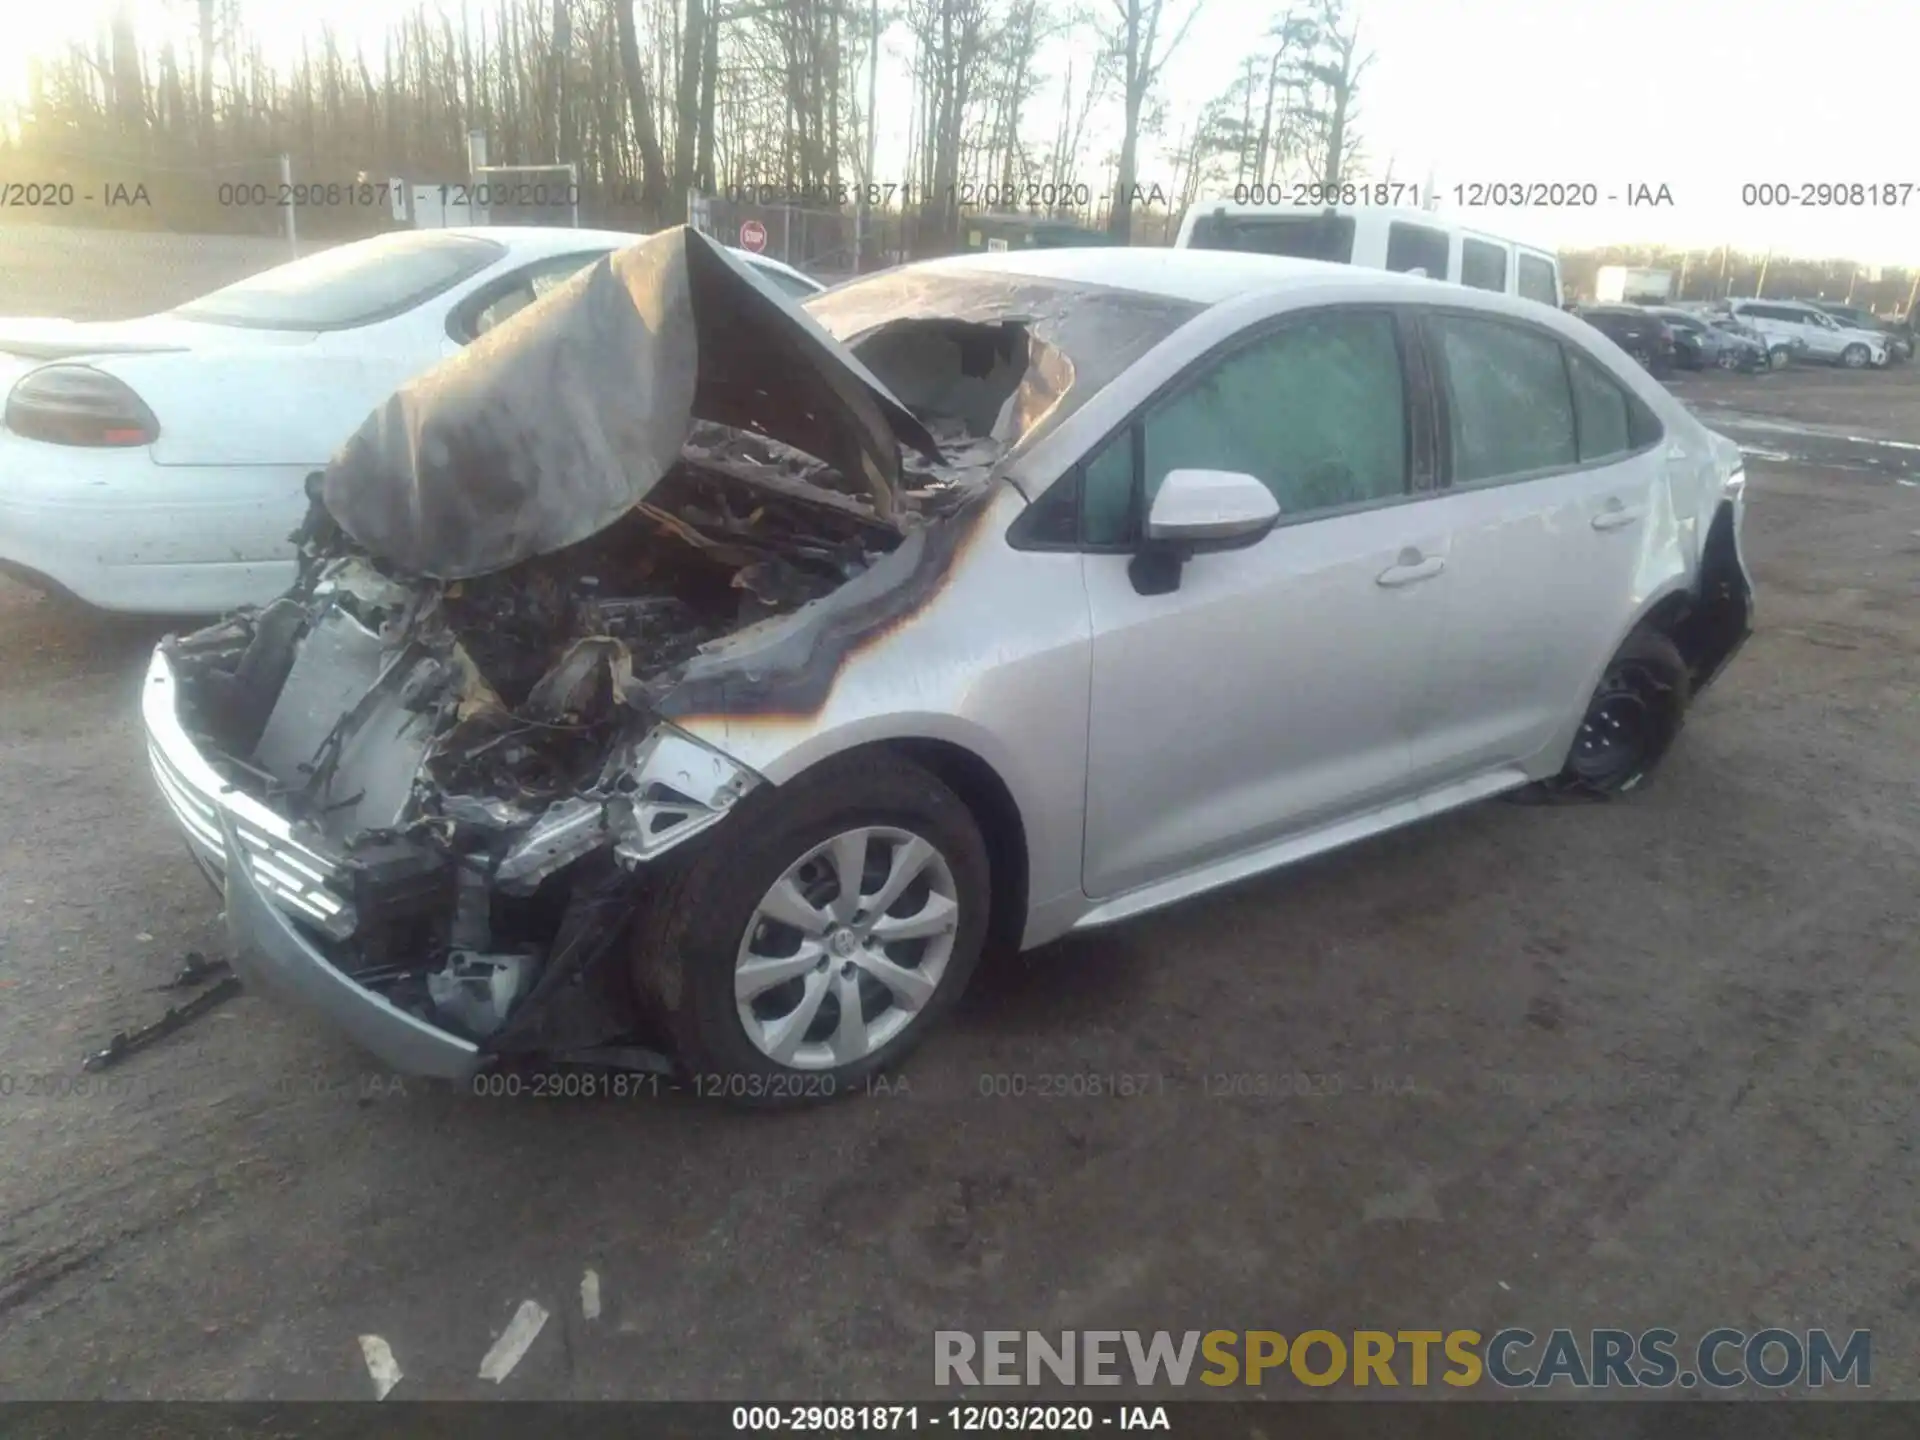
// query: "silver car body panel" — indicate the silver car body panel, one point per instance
point(1286, 698)
point(1149, 759)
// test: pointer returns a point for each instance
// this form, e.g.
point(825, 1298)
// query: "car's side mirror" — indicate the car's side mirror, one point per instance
point(1196, 511)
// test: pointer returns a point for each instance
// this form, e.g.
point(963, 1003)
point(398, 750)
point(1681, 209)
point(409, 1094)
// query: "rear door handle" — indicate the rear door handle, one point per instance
point(1411, 570)
point(1617, 516)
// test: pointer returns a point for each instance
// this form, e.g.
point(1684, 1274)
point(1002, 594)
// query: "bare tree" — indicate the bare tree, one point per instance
point(1027, 28)
point(953, 38)
point(1136, 42)
point(1290, 34)
point(558, 101)
point(129, 84)
point(653, 179)
point(686, 123)
point(1326, 73)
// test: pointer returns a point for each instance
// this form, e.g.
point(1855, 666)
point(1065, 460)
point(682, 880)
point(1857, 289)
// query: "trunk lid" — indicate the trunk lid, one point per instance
point(43, 338)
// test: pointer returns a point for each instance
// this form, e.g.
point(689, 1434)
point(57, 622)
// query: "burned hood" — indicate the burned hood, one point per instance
point(552, 426)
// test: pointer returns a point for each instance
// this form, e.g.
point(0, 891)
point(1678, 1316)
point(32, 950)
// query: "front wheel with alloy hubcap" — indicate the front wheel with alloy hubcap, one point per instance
point(817, 936)
point(1631, 721)
point(1855, 356)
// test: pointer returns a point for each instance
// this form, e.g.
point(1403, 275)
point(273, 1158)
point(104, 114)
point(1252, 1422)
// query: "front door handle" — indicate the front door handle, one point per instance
point(1617, 516)
point(1412, 569)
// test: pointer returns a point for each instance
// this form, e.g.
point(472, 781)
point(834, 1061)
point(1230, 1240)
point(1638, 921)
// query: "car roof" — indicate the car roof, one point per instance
point(1200, 277)
point(545, 235)
point(561, 238)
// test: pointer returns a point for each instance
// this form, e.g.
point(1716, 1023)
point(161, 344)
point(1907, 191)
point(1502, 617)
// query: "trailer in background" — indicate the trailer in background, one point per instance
point(1632, 285)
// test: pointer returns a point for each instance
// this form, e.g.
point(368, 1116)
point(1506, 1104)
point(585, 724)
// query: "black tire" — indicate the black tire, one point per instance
point(1633, 718)
point(690, 935)
point(1855, 356)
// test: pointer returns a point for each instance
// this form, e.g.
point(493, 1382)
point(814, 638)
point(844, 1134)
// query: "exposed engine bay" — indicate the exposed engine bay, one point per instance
point(465, 701)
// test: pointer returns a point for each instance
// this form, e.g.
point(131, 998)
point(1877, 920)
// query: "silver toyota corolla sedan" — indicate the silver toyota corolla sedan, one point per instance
point(687, 678)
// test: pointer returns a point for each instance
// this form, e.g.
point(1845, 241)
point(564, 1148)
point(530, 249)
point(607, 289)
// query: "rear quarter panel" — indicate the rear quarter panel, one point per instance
point(286, 404)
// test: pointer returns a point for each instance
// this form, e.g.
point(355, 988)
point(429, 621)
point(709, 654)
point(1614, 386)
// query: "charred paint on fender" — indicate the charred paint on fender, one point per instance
point(793, 676)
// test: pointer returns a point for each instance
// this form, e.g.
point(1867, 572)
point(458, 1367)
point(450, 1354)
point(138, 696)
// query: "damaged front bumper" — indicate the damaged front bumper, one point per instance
point(291, 918)
point(269, 949)
point(218, 819)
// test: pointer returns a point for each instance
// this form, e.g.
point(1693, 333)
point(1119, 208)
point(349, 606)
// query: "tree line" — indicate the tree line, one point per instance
point(651, 99)
point(1722, 273)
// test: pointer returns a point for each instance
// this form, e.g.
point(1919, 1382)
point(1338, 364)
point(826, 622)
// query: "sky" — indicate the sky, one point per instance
point(1700, 96)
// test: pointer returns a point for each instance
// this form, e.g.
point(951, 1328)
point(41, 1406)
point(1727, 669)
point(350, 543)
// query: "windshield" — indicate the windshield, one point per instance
point(348, 285)
point(1081, 335)
point(1304, 237)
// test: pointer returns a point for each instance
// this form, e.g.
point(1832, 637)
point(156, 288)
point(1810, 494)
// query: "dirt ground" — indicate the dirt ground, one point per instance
point(1644, 1063)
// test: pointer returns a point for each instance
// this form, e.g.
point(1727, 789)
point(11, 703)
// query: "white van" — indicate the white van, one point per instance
point(1379, 238)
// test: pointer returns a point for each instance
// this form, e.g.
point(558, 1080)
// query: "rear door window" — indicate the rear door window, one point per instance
point(1601, 410)
point(506, 297)
point(1483, 265)
point(1415, 247)
point(1509, 404)
point(1535, 279)
point(1304, 237)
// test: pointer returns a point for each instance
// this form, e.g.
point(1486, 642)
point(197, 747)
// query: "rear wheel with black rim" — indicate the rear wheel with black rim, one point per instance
point(1631, 721)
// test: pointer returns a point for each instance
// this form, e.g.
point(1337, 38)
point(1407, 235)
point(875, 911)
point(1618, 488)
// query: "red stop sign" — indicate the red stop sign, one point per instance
point(753, 236)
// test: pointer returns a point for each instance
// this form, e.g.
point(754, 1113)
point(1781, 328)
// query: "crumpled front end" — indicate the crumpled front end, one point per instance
point(309, 751)
point(436, 777)
point(443, 795)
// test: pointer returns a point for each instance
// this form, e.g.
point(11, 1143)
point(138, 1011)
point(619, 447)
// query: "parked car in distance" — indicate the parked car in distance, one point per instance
point(1780, 353)
point(157, 465)
point(1899, 340)
point(1380, 238)
point(1824, 337)
point(1639, 332)
point(1699, 344)
point(628, 725)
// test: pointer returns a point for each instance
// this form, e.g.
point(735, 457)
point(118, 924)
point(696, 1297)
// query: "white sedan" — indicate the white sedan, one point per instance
point(158, 465)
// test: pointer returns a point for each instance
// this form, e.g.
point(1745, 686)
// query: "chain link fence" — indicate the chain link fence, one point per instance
point(829, 245)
